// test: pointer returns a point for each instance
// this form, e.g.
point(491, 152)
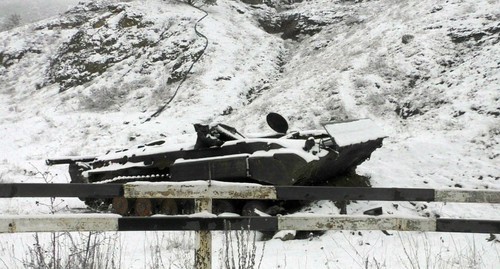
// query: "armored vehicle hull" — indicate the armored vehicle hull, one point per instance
point(222, 153)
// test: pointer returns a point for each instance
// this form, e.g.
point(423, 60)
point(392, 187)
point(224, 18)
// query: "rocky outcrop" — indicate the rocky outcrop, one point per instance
point(109, 34)
point(479, 34)
point(292, 24)
point(9, 58)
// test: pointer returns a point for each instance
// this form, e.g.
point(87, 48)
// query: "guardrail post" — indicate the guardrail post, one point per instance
point(203, 239)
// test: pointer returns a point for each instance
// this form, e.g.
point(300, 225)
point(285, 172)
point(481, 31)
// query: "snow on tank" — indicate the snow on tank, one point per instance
point(309, 157)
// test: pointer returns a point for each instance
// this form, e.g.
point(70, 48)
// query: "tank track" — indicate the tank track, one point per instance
point(105, 205)
point(182, 206)
point(127, 179)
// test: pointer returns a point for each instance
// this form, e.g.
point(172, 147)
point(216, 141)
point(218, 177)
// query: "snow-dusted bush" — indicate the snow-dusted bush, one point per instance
point(104, 98)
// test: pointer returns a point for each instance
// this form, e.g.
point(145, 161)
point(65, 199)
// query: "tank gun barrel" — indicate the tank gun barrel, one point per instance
point(68, 160)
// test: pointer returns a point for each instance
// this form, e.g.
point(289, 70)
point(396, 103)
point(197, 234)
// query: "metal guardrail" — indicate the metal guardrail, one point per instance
point(113, 222)
point(204, 191)
point(218, 190)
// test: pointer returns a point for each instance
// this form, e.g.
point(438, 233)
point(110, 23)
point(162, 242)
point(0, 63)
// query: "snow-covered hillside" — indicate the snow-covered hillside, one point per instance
point(427, 71)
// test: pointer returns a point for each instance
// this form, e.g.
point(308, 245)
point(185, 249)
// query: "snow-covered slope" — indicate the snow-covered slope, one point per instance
point(117, 63)
point(428, 72)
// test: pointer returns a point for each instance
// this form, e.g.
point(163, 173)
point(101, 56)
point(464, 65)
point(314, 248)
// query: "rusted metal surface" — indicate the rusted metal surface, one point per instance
point(322, 223)
point(245, 191)
point(199, 190)
point(468, 196)
point(206, 222)
point(143, 207)
point(168, 207)
point(121, 205)
point(203, 239)
point(218, 190)
point(58, 223)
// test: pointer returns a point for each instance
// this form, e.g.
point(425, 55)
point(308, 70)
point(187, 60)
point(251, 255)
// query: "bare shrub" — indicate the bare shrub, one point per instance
point(420, 253)
point(92, 250)
point(361, 83)
point(169, 250)
point(362, 259)
point(240, 250)
point(13, 21)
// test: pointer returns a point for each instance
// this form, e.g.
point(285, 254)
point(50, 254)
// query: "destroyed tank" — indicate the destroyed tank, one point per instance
point(221, 153)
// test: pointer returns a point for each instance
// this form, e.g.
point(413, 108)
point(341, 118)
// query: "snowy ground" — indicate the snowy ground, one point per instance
point(427, 73)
